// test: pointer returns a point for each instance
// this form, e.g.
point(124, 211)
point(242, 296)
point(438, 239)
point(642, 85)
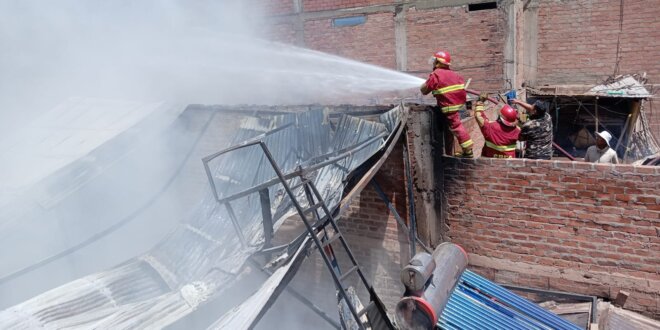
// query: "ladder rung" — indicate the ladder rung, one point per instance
point(300, 184)
point(313, 207)
point(362, 311)
point(345, 275)
point(331, 239)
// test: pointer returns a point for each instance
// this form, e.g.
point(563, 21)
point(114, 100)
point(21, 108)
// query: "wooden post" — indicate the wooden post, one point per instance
point(596, 108)
point(623, 132)
point(634, 111)
point(621, 298)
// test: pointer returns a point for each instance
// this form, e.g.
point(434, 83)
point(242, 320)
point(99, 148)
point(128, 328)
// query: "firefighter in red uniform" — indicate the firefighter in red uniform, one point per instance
point(448, 88)
point(500, 135)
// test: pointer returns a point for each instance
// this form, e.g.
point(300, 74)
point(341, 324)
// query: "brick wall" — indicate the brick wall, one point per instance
point(577, 40)
point(653, 116)
point(477, 54)
point(317, 5)
point(379, 243)
point(283, 32)
point(576, 227)
point(372, 42)
point(475, 41)
point(270, 7)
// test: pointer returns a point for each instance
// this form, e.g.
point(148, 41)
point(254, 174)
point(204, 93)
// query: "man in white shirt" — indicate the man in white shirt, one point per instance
point(601, 152)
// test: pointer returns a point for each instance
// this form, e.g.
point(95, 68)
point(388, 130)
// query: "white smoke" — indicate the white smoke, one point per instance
point(172, 50)
point(151, 51)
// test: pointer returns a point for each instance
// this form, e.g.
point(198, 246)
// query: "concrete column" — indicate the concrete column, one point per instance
point(530, 43)
point(400, 38)
point(520, 45)
point(426, 158)
point(297, 6)
point(512, 43)
point(299, 23)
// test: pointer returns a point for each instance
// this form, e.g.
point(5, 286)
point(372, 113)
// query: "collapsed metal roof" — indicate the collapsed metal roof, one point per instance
point(66, 133)
point(205, 254)
point(626, 86)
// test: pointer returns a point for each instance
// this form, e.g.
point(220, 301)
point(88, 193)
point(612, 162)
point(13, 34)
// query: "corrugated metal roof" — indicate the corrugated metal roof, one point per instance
point(64, 134)
point(203, 256)
point(626, 86)
point(478, 303)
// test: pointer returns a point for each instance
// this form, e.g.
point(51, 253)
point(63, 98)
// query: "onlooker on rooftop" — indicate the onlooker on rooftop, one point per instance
point(601, 152)
point(537, 131)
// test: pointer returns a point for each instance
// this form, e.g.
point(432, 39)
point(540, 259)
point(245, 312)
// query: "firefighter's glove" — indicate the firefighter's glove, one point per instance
point(483, 97)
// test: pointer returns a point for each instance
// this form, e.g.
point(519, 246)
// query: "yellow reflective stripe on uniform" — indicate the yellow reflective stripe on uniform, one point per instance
point(479, 108)
point(452, 108)
point(448, 89)
point(510, 147)
point(467, 143)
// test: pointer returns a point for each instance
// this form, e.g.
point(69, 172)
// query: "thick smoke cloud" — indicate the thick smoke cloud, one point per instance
point(171, 51)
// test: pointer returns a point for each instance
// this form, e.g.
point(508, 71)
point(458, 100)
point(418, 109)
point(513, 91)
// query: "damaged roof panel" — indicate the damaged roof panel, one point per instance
point(203, 256)
point(626, 87)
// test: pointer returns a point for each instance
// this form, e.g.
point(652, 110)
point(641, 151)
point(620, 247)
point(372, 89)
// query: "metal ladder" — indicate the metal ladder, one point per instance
point(375, 310)
point(375, 307)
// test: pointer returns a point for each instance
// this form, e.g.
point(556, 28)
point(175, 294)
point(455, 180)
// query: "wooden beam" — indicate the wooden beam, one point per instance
point(636, 107)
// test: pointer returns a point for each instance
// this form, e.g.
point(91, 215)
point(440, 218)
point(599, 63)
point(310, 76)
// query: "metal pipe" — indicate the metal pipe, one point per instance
point(569, 156)
point(266, 215)
point(397, 217)
point(295, 173)
point(255, 140)
point(423, 312)
point(361, 145)
point(348, 153)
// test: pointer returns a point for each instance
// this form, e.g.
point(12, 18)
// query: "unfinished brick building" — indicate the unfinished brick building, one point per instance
point(590, 229)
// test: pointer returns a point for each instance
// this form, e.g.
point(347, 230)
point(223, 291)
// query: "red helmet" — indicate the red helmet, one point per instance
point(508, 115)
point(443, 57)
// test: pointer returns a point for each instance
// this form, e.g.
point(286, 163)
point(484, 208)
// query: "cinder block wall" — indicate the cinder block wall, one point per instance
point(568, 226)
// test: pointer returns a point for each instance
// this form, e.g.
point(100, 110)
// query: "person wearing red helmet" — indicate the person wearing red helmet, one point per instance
point(500, 135)
point(448, 88)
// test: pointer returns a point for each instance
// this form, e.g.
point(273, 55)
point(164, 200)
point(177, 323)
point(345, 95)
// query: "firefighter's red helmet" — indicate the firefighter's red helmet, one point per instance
point(443, 57)
point(508, 115)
